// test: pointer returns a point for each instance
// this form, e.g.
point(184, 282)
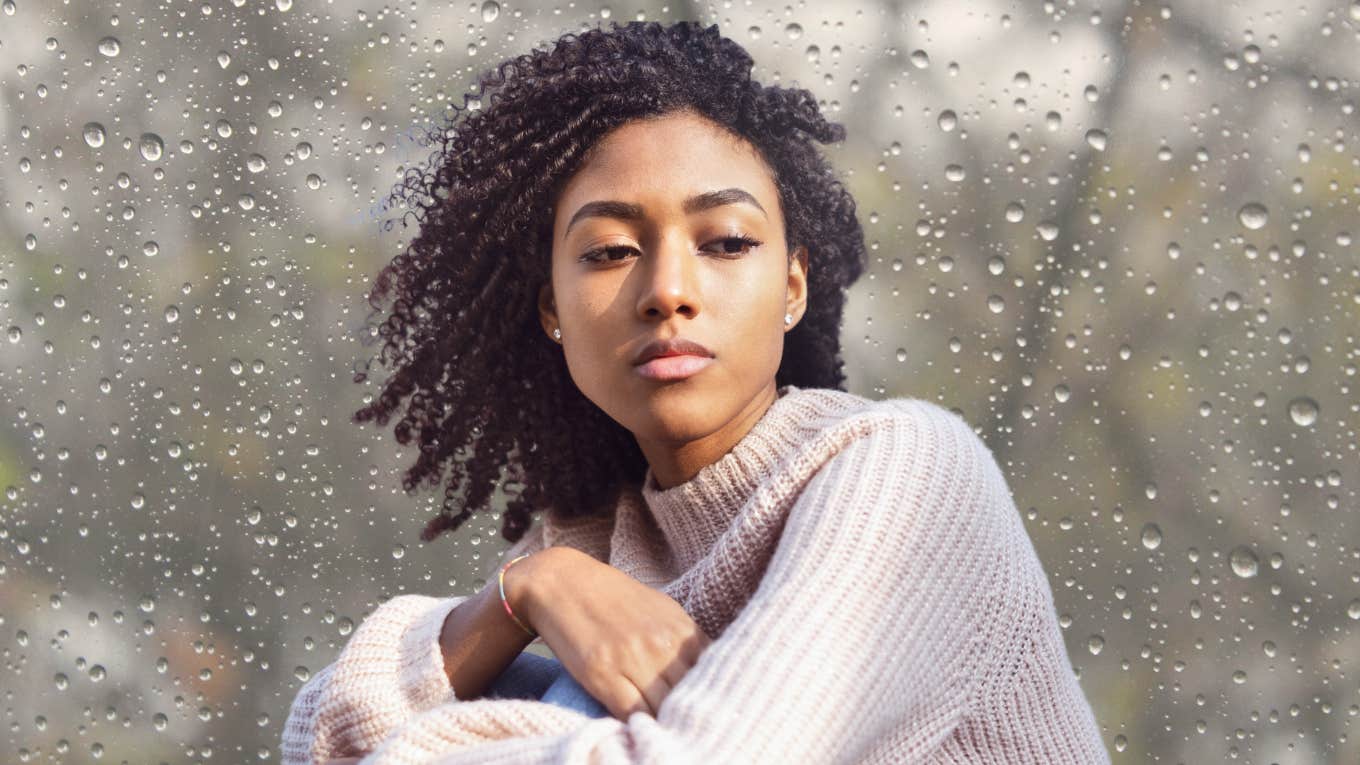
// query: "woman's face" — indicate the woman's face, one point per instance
point(661, 261)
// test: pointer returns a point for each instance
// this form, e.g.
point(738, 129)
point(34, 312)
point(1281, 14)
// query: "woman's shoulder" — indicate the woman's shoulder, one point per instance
point(844, 418)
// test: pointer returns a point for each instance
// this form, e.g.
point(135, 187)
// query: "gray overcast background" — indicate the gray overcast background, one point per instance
point(1119, 238)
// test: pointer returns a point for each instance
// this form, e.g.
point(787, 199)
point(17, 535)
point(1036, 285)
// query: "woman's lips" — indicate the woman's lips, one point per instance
point(673, 367)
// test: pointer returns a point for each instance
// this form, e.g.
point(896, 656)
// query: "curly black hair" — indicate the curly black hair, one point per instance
point(485, 383)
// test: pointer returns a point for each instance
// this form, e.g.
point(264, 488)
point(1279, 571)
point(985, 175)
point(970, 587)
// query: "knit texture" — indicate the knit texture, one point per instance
point(866, 578)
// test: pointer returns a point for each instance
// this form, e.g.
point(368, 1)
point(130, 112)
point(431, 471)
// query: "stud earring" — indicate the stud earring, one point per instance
point(557, 334)
point(788, 318)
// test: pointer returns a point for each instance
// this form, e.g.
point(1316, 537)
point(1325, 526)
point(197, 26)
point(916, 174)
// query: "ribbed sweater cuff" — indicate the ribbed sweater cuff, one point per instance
point(421, 675)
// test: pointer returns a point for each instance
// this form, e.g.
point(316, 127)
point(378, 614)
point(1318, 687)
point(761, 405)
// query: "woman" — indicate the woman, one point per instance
point(736, 560)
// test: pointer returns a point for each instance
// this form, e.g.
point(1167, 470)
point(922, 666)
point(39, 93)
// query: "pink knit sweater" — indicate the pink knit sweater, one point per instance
point(871, 591)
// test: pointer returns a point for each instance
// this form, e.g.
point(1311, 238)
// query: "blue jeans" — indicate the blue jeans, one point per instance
point(531, 676)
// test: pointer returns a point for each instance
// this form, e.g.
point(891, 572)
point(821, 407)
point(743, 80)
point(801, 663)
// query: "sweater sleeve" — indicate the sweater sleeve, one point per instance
point(391, 670)
point(860, 640)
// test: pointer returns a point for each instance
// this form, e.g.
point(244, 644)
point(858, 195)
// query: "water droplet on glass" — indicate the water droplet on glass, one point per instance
point(1152, 536)
point(109, 46)
point(151, 146)
point(302, 673)
point(920, 59)
point(283, 5)
point(94, 134)
point(1096, 139)
point(1015, 212)
point(1253, 215)
point(490, 10)
point(1243, 561)
point(1048, 230)
point(171, 314)
point(996, 303)
point(1094, 644)
point(954, 173)
point(1353, 610)
point(255, 163)
point(794, 31)
point(1303, 411)
point(948, 120)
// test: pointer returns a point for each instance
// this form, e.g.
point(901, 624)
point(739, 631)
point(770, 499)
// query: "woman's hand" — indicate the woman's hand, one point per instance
point(624, 642)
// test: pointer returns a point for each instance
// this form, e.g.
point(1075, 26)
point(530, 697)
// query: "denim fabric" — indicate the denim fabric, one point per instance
point(531, 676)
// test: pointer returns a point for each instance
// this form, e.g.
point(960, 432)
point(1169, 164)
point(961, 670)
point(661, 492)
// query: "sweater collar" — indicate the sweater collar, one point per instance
point(694, 514)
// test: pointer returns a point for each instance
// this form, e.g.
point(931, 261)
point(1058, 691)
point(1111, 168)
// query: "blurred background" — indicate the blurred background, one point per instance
point(1118, 238)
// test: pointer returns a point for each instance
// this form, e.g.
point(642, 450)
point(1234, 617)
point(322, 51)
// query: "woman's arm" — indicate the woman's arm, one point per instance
point(866, 630)
point(408, 656)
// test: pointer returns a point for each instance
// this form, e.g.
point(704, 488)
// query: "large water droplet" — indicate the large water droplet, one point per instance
point(1253, 215)
point(109, 46)
point(1048, 230)
point(1303, 411)
point(490, 10)
point(94, 134)
point(948, 120)
point(1152, 536)
point(1096, 139)
point(1243, 561)
point(255, 163)
point(151, 146)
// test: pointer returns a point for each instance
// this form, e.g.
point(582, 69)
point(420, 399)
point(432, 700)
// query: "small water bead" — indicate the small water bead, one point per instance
point(94, 134)
point(256, 163)
point(1061, 393)
point(1253, 215)
point(223, 59)
point(275, 109)
point(920, 59)
point(1094, 644)
point(159, 721)
point(954, 173)
point(223, 128)
point(996, 303)
point(110, 47)
point(313, 181)
point(793, 31)
point(1048, 230)
point(1015, 212)
point(171, 314)
point(283, 5)
point(1151, 536)
point(948, 120)
point(996, 265)
point(1303, 410)
point(302, 673)
point(150, 249)
point(1353, 610)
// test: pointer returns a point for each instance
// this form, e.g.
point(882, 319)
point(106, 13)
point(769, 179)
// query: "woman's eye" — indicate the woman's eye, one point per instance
point(743, 243)
point(601, 254)
point(731, 245)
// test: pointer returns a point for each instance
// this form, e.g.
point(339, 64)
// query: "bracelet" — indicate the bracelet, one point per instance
point(506, 603)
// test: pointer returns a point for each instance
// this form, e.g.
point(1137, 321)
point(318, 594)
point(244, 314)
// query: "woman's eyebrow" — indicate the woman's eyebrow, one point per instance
point(696, 203)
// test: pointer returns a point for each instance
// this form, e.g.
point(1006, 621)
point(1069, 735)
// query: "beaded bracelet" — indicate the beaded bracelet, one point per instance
point(506, 603)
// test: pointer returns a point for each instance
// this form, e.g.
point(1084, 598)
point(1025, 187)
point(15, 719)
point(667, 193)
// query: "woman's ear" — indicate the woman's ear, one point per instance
point(547, 309)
